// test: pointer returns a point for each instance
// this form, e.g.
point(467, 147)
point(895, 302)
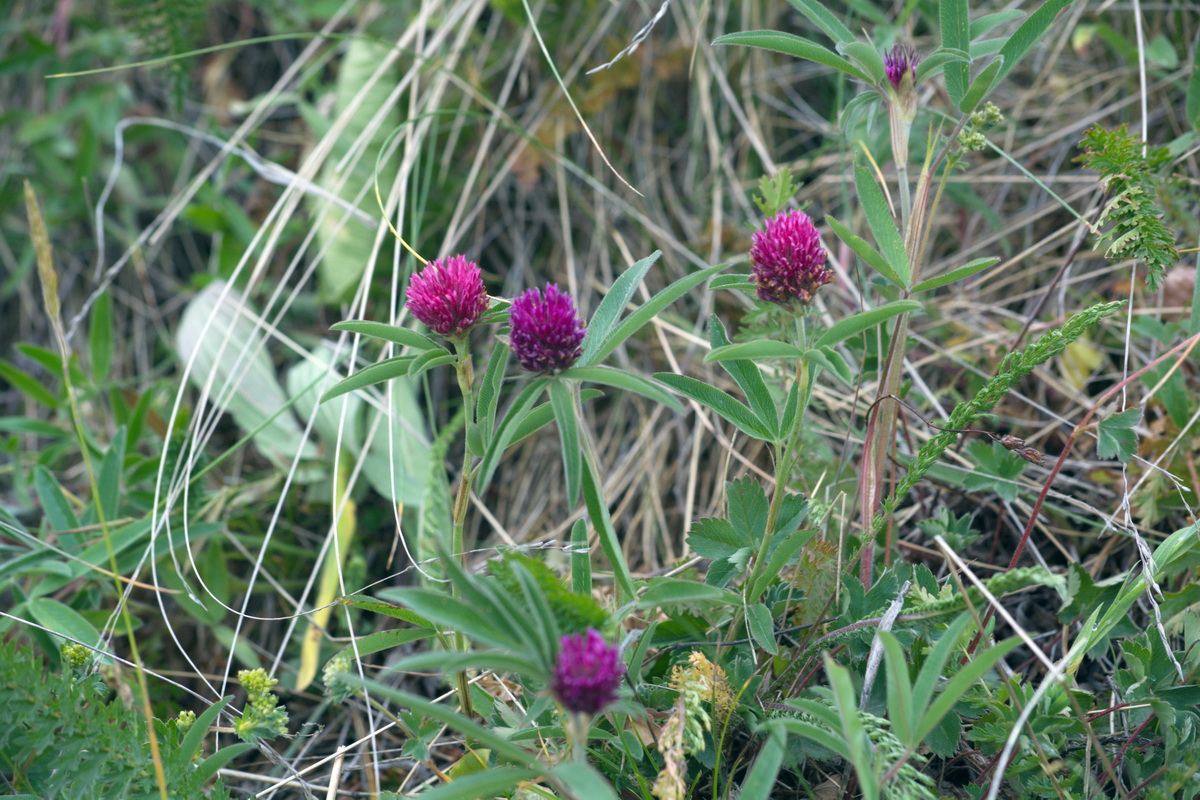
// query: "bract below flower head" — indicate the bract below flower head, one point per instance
point(448, 295)
point(547, 332)
point(788, 260)
point(587, 673)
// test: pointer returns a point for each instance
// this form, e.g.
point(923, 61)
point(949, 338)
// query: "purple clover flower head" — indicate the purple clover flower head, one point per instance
point(788, 260)
point(902, 59)
point(547, 332)
point(448, 295)
point(587, 673)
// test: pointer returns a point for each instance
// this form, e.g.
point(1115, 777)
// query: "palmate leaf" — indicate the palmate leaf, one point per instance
point(1117, 438)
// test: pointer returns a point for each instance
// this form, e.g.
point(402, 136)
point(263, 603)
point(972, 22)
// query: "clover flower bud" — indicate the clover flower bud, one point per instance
point(587, 673)
point(448, 295)
point(547, 332)
point(900, 61)
point(788, 260)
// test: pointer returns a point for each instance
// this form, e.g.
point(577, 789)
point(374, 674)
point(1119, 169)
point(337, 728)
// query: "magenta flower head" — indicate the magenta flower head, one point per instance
point(547, 332)
point(587, 673)
point(900, 61)
point(788, 260)
point(448, 295)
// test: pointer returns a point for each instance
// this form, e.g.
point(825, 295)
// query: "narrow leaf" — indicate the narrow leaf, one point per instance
point(597, 506)
point(760, 781)
point(623, 380)
point(864, 320)
point(762, 627)
point(933, 63)
point(605, 318)
point(380, 372)
point(748, 377)
point(824, 19)
point(899, 690)
point(388, 333)
point(792, 45)
point(583, 781)
point(739, 281)
point(489, 390)
point(883, 226)
point(100, 339)
point(430, 359)
point(866, 252)
point(717, 401)
point(1027, 35)
point(985, 659)
point(581, 559)
point(982, 84)
point(506, 430)
point(760, 348)
point(648, 310)
point(1192, 108)
point(669, 592)
point(563, 406)
point(955, 22)
point(988, 21)
point(968, 269)
point(867, 57)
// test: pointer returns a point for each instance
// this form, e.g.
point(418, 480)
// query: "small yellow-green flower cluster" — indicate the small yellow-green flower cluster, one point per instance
point(335, 690)
point(262, 717)
point(76, 655)
point(185, 720)
point(971, 136)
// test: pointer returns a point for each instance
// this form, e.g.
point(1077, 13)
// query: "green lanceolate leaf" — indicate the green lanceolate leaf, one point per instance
point(760, 781)
point(381, 372)
point(597, 506)
point(1192, 107)
point(965, 271)
point(388, 333)
point(609, 311)
point(1027, 35)
point(988, 21)
point(865, 320)
point(883, 226)
point(792, 45)
point(955, 23)
point(824, 19)
point(983, 83)
point(717, 401)
point(762, 627)
point(489, 390)
point(563, 406)
point(582, 780)
point(867, 253)
point(867, 58)
point(581, 559)
point(506, 430)
point(934, 63)
point(671, 592)
point(623, 380)
point(748, 377)
point(751, 351)
point(740, 281)
point(647, 311)
point(428, 360)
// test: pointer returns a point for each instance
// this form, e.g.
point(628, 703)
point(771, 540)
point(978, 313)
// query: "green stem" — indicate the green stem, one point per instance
point(464, 368)
point(787, 454)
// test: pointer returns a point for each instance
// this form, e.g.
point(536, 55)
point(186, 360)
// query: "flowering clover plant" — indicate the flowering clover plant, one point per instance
point(631, 686)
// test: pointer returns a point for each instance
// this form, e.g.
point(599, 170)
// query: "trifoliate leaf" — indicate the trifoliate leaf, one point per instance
point(1117, 437)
